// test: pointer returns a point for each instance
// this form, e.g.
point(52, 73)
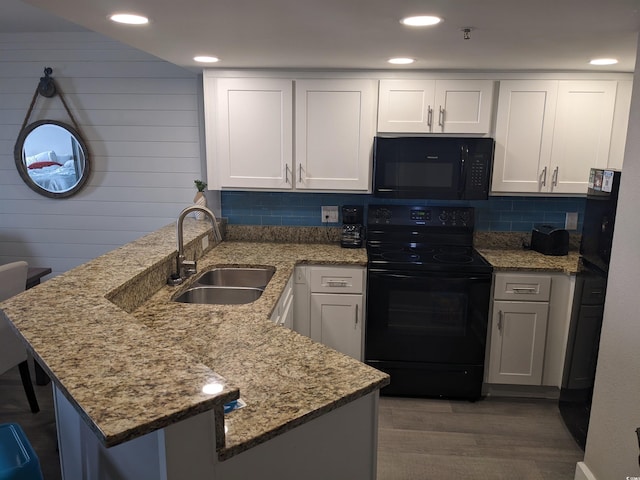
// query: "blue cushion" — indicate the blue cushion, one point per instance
point(18, 461)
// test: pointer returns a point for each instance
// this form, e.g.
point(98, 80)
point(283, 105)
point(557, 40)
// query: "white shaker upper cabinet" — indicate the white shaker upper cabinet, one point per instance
point(524, 134)
point(252, 141)
point(335, 126)
point(549, 134)
point(582, 134)
point(435, 106)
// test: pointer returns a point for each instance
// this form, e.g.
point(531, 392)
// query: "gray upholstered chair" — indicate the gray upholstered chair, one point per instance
point(13, 280)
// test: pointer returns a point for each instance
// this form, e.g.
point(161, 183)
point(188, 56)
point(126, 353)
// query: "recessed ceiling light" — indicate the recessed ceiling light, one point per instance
point(603, 61)
point(129, 19)
point(421, 21)
point(206, 59)
point(401, 61)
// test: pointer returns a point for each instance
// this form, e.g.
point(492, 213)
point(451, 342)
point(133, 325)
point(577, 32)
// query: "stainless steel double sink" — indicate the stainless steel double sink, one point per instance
point(228, 286)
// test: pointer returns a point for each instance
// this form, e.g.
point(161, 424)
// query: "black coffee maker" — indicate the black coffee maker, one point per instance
point(352, 226)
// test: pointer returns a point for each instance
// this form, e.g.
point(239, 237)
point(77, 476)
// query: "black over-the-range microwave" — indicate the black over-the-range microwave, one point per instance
point(444, 168)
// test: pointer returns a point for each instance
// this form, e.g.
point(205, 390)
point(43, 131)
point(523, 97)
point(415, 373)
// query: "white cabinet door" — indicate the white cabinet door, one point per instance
point(549, 134)
point(524, 135)
point(335, 126)
point(518, 335)
point(336, 321)
point(406, 106)
point(286, 313)
point(435, 106)
point(463, 106)
point(283, 312)
point(582, 134)
point(252, 146)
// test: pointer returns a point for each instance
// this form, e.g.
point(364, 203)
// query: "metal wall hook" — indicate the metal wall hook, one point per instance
point(47, 87)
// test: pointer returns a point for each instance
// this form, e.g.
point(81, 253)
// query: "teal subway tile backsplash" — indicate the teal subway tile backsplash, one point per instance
point(500, 214)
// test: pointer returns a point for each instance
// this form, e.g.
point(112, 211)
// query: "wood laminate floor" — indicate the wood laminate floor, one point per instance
point(419, 439)
point(492, 439)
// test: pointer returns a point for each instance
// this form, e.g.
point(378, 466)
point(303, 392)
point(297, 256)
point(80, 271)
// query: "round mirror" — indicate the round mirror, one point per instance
point(52, 158)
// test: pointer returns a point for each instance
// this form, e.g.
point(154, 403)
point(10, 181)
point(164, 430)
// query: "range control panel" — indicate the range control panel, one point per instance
point(428, 216)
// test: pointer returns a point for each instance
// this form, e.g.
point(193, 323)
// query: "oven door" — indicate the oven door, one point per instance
point(427, 317)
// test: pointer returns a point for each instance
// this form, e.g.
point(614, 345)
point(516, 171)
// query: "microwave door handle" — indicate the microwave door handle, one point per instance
point(464, 153)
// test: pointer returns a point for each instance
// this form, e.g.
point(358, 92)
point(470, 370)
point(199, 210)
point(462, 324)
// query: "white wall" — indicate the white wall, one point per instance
point(612, 446)
point(140, 117)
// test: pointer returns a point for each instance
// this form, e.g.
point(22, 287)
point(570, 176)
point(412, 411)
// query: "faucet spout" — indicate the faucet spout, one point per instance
point(181, 264)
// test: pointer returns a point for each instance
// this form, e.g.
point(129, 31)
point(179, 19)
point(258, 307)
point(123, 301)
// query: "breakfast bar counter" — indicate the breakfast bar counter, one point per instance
point(131, 362)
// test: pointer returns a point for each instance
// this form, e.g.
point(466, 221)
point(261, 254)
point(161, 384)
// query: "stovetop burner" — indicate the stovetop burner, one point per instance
point(454, 258)
point(400, 256)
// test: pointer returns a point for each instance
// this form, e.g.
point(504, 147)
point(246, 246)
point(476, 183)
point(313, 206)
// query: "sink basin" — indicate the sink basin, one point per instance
point(220, 295)
point(256, 277)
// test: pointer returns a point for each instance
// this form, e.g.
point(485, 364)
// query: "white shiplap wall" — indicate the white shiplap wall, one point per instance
point(140, 117)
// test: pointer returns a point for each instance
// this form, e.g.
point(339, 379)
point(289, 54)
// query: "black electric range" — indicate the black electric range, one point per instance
point(428, 300)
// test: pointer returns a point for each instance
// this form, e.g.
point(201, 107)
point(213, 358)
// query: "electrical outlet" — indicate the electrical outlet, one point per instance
point(571, 221)
point(329, 214)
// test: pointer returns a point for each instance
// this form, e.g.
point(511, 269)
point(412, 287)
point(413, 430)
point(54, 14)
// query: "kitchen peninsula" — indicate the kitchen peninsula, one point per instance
point(140, 381)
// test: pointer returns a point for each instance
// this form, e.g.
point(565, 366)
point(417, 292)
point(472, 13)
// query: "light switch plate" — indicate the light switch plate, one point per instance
point(329, 214)
point(571, 221)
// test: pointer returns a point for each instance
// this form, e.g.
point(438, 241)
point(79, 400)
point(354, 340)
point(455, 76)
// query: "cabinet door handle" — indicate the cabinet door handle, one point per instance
point(525, 289)
point(500, 315)
point(554, 177)
point(441, 117)
point(356, 314)
point(286, 173)
point(336, 283)
point(429, 116)
point(300, 173)
point(544, 177)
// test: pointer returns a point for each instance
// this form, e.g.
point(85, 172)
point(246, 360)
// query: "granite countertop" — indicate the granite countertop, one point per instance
point(508, 251)
point(528, 260)
point(132, 361)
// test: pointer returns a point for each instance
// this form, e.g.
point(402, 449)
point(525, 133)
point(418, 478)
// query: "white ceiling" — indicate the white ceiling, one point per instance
point(356, 34)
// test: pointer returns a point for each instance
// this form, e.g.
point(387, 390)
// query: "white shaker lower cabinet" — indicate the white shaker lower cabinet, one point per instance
point(529, 328)
point(517, 342)
point(329, 306)
point(336, 321)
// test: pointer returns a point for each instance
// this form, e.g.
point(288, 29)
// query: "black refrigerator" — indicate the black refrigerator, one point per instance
point(588, 302)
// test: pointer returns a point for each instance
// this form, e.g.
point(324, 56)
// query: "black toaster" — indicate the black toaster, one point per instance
point(550, 240)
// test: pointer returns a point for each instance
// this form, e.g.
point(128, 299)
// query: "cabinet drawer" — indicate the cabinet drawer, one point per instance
point(337, 280)
point(529, 288)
